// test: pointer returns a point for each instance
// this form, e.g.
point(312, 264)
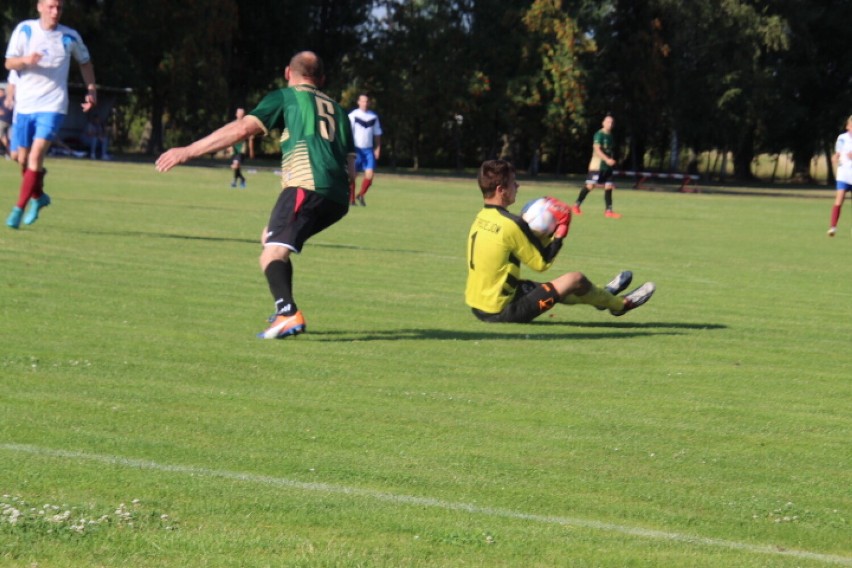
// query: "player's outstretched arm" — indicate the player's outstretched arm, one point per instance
point(221, 138)
point(172, 158)
point(87, 70)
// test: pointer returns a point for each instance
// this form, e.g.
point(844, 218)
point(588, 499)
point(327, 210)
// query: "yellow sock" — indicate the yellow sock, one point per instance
point(598, 297)
point(571, 300)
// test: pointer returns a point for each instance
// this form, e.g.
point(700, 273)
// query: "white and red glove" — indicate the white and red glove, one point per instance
point(562, 213)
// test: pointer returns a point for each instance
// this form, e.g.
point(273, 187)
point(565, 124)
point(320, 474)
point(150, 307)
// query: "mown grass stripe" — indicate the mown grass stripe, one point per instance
point(426, 502)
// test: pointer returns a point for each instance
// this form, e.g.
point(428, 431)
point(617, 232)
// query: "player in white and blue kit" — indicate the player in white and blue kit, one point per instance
point(843, 160)
point(40, 51)
point(367, 132)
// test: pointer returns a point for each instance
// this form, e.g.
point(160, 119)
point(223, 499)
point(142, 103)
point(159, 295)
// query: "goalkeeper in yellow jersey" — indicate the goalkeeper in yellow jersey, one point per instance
point(499, 242)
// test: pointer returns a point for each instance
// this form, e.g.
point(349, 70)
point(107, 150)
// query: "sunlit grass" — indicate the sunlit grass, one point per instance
point(400, 431)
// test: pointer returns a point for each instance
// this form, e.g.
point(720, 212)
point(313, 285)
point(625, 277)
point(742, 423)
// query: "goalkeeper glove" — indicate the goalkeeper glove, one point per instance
point(562, 213)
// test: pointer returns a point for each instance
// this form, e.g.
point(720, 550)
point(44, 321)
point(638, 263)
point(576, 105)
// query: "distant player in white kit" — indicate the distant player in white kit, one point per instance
point(843, 161)
point(40, 51)
point(367, 131)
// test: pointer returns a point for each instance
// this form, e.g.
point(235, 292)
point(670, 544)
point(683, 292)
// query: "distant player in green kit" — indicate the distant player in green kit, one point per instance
point(238, 154)
point(317, 165)
point(602, 157)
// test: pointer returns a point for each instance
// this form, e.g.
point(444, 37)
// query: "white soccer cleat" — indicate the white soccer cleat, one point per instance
point(636, 298)
point(617, 285)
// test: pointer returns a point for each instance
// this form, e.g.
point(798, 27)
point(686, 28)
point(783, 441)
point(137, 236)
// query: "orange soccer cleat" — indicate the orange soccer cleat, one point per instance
point(284, 326)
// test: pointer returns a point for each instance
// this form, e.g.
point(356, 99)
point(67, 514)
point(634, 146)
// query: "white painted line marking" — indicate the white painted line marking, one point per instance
point(430, 502)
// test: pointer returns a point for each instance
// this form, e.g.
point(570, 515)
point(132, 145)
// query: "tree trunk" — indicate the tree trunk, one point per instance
point(829, 152)
point(674, 157)
point(535, 160)
point(636, 159)
point(744, 156)
point(155, 143)
point(801, 166)
point(715, 167)
point(560, 155)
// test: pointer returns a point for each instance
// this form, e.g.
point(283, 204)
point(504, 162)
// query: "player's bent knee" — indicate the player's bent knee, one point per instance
point(272, 253)
point(571, 283)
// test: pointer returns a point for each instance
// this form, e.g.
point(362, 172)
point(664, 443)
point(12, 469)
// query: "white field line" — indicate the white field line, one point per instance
point(429, 502)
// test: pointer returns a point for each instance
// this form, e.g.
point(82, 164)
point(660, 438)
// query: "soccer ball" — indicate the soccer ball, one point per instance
point(538, 216)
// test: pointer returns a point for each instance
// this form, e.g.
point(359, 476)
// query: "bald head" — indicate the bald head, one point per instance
point(305, 67)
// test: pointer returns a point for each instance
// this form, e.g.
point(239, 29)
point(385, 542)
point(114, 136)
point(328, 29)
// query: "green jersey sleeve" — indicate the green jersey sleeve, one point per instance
point(270, 110)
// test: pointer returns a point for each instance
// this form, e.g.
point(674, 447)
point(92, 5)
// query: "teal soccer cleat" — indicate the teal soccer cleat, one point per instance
point(13, 221)
point(35, 206)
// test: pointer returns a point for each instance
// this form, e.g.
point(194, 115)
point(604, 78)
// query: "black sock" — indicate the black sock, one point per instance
point(279, 274)
point(583, 193)
point(608, 198)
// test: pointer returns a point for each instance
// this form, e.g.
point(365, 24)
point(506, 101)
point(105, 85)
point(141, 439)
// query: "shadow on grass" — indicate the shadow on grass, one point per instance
point(518, 332)
point(622, 324)
point(159, 235)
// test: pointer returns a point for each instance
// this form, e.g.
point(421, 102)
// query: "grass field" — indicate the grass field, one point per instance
point(143, 424)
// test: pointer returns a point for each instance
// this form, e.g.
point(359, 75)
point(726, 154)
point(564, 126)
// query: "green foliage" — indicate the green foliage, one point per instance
point(418, 43)
point(553, 87)
point(810, 82)
point(179, 74)
point(460, 81)
point(11, 13)
point(708, 428)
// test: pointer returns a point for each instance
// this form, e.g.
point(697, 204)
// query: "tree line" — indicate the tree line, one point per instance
point(459, 81)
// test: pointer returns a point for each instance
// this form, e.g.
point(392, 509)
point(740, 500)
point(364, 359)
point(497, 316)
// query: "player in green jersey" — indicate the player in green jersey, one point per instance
point(499, 242)
point(238, 154)
point(600, 169)
point(317, 165)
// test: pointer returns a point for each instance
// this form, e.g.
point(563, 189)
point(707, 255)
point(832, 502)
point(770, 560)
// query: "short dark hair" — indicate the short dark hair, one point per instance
point(493, 173)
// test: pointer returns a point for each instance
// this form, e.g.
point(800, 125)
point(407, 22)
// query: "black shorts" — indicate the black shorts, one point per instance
point(531, 300)
point(300, 214)
point(603, 177)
